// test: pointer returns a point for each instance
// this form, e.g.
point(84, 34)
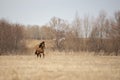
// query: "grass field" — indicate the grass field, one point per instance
point(59, 67)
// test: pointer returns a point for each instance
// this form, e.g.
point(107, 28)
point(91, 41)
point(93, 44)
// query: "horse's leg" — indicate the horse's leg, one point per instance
point(37, 55)
point(36, 52)
point(43, 55)
point(40, 55)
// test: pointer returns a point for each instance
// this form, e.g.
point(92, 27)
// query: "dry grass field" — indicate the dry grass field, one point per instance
point(59, 67)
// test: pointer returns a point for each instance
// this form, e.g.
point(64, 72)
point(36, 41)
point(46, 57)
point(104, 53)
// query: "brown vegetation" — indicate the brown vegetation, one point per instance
point(11, 37)
point(101, 34)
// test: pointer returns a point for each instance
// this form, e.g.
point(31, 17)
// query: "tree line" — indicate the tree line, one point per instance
point(11, 36)
point(99, 34)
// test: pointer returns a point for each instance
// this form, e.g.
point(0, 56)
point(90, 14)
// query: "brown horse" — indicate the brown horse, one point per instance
point(40, 50)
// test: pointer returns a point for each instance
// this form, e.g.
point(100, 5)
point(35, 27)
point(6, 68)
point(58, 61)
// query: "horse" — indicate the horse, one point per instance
point(40, 50)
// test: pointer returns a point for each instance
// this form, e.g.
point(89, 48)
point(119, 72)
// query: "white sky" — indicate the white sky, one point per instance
point(39, 12)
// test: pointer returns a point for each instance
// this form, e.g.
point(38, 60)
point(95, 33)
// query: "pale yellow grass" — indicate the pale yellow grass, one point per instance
point(59, 67)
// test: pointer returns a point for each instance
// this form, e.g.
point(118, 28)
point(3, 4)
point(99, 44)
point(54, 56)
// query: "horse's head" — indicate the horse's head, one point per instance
point(43, 45)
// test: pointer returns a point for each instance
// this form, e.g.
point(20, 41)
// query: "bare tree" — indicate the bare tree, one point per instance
point(98, 34)
point(115, 33)
point(10, 36)
point(77, 25)
point(77, 32)
point(59, 25)
point(86, 26)
point(47, 32)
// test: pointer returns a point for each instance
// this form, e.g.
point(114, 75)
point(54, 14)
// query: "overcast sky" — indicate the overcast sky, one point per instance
point(39, 12)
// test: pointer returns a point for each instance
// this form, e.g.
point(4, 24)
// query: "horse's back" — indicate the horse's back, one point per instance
point(40, 50)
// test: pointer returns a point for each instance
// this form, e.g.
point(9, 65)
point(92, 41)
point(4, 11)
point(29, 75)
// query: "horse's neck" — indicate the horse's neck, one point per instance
point(41, 47)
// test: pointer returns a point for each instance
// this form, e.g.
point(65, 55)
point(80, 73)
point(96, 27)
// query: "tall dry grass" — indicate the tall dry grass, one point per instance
point(56, 66)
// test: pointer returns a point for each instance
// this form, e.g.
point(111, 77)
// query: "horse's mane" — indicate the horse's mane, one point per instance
point(42, 45)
